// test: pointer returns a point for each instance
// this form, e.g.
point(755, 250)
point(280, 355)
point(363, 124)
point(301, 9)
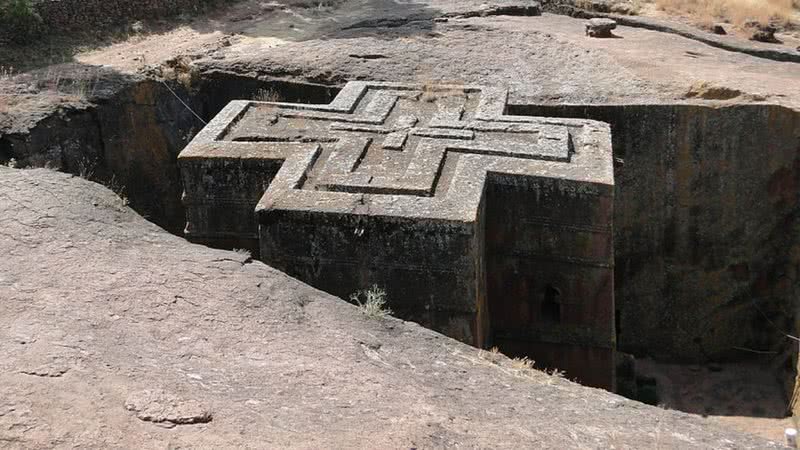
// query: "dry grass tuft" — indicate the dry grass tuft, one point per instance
point(267, 95)
point(86, 168)
point(244, 253)
point(6, 72)
point(119, 189)
point(525, 367)
point(5, 100)
point(492, 355)
point(372, 302)
point(737, 12)
point(517, 367)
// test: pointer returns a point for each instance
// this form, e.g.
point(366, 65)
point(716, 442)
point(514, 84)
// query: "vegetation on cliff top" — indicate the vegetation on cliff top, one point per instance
point(737, 12)
point(19, 20)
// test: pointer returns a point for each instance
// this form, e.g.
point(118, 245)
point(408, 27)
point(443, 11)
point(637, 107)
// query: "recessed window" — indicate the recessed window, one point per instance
point(551, 305)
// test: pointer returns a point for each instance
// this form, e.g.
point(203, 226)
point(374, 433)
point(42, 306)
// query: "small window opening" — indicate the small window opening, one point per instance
point(551, 306)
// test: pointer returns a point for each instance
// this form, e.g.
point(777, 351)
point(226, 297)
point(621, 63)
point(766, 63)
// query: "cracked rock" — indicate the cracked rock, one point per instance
point(52, 368)
point(163, 408)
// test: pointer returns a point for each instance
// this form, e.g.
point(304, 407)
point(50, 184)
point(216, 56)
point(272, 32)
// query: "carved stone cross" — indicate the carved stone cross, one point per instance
point(491, 228)
point(394, 141)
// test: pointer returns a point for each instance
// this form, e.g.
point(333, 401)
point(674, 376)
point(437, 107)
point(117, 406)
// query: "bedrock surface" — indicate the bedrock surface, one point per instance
point(115, 332)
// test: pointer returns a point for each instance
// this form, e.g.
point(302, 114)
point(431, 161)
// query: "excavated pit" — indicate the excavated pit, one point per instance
point(706, 219)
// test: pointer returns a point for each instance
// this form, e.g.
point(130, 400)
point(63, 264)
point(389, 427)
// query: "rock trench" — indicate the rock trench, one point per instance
point(705, 220)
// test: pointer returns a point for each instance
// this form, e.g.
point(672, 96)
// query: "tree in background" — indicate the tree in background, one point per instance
point(19, 20)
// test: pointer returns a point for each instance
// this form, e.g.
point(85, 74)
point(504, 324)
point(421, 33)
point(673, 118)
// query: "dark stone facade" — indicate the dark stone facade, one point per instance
point(494, 229)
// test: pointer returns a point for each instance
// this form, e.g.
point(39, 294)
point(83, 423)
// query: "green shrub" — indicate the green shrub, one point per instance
point(19, 20)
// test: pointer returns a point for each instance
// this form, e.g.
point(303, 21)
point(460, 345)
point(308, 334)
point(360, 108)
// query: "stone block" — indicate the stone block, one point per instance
point(600, 28)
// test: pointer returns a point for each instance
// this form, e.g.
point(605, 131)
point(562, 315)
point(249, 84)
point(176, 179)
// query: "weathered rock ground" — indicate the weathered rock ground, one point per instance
point(103, 106)
point(118, 334)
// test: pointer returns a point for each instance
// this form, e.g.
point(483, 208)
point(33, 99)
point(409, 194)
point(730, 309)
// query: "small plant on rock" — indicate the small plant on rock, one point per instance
point(492, 355)
point(371, 302)
point(6, 72)
point(267, 95)
point(119, 189)
point(86, 168)
point(523, 363)
point(526, 368)
point(244, 253)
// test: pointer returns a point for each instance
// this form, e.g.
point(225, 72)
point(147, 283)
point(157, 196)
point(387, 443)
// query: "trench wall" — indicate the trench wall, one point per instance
point(130, 140)
point(706, 202)
point(706, 253)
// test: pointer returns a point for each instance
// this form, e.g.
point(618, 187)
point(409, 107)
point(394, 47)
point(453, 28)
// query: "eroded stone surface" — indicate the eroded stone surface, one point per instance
point(280, 364)
point(494, 229)
point(159, 406)
point(53, 370)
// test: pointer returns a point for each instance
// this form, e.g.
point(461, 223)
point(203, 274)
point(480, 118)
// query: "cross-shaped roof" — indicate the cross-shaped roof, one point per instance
point(404, 150)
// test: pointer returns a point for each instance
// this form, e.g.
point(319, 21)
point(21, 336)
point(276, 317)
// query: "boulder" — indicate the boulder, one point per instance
point(762, 32)
point(600, 28)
